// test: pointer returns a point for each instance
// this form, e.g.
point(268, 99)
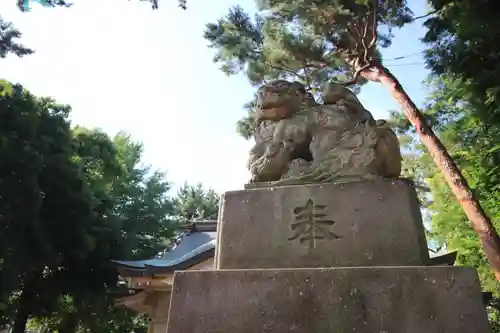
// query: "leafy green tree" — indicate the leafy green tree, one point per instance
point(475, 149)
point(194, 202)
point(463, 57)
point(145, 211)
point(461, 44)
point(298, 38)
point(72, 200)
point(43, 197)
point(142, 213)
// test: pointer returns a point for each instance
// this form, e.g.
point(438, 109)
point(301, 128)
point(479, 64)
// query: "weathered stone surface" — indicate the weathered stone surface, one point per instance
point(366, 223)
point(298, 141)
point(361, 300)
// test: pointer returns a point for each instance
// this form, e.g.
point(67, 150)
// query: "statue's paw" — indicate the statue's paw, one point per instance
point(297, 167)
point(253, 179)
point(273, 149)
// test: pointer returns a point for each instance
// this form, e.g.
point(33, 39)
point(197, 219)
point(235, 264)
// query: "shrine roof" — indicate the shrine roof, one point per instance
point(196, 245)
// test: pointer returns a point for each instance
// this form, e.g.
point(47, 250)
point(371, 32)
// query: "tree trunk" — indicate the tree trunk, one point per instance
point(69, 324)
point(26, 298)
point(481, 223)
point(22, 314)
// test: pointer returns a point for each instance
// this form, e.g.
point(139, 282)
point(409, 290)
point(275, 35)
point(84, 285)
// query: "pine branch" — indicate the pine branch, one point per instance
point(356, 75)
point(426, 15)
point(288, 70)
point(366, 63)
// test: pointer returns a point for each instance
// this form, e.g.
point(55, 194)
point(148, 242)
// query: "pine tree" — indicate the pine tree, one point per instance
point(8, 40)
point(194, 202)
point(343, 35)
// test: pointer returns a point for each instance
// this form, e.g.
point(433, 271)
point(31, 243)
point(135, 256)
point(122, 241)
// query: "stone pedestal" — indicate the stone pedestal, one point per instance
point(159, 318)
point(325, 258)
point(375, 223)
point(366, 300)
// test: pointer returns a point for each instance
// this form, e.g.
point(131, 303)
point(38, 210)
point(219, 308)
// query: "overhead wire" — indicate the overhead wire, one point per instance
point(404, 56)
point(409, 64)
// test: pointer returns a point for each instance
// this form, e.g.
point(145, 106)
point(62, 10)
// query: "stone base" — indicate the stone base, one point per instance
point(361, 300)
point(370, 223)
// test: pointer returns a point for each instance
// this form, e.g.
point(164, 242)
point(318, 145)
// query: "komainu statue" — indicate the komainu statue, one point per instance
point(299, 141)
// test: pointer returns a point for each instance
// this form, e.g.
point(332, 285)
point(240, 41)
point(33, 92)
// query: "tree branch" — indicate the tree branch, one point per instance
point(316, 64)
point(288, 70)
point(374, 26)
point(426, 15)
point(356, 75)
point(307, 73)
point(353, 38)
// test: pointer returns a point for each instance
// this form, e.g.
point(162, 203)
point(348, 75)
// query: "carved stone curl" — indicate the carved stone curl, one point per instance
point(299, 141)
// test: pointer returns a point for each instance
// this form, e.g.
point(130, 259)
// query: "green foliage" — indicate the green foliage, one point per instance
point(264, 48)
point(72, 200)
point(474, 148)
point(463, 107)
point(464, 52)
point(141, 202)
point(246, 126)
point(306, 41)
point(462, 44)
point(196, 203)
point(8, 40)
point(115, 320)
point(138, 223)
point(24, 5)
point(334, 19)
point(42, 189)
point(297, 39)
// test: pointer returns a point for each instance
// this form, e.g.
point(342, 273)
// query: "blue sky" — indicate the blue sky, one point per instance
point(122, 66)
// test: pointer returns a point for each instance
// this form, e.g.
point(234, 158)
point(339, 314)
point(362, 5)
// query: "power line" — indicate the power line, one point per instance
point(405, 56)
point(409, 64)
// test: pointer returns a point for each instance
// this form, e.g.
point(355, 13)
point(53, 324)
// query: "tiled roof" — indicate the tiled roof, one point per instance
point(195, 246)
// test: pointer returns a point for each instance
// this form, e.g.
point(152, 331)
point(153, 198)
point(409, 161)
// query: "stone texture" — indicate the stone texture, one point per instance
point(337, 140)
point(158, 322)
point(362, 300)
point(376, 223)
